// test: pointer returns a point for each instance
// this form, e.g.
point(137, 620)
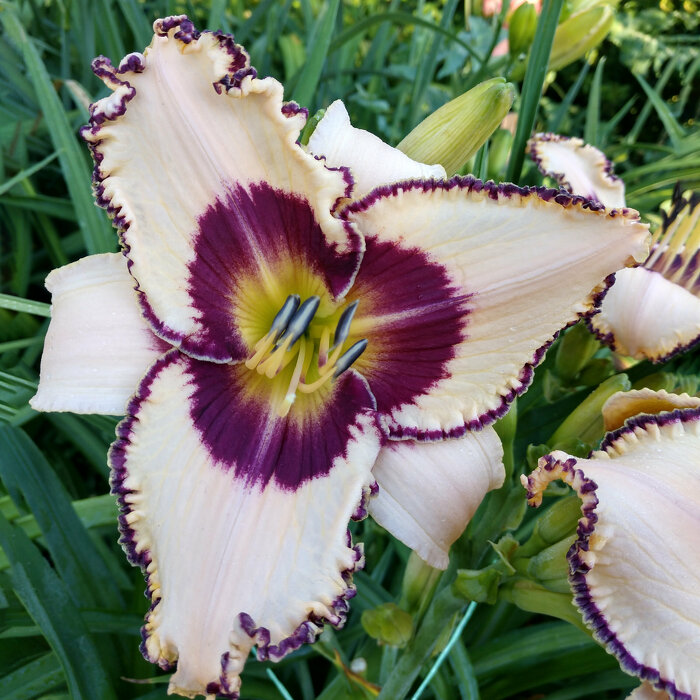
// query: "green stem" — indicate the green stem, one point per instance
point(439, 615)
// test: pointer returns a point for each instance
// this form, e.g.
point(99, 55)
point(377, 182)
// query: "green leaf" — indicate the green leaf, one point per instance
point(97, 233)
point(318, 49)
point(32, 679)
point(674, 130)
point(46, 599)
point(24, 469)
point(532, 85)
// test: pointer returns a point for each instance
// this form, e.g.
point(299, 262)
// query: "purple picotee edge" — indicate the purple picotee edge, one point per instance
point(591, 613)
point(305, 633)
point(493, 190)
point(117, 459)
point(608, 168)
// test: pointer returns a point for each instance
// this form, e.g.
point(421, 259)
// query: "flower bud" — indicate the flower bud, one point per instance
point(557, 523)
point(456, 131)
point(550, 567)
point(388, 624)
point(419, 581)
point(585, 423)
point(480, 585)
point(521, 29)
point(534, 597)
point(579, 33)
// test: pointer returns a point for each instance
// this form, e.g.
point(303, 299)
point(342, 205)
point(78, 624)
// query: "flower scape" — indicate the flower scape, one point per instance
point(302, 335)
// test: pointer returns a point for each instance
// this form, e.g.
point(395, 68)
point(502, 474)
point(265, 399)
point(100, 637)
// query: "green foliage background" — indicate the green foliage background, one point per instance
point(70, 605)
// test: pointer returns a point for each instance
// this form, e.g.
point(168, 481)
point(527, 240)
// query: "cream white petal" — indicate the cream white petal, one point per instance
point(635, 568)
point(182, 148)
point(238, 517)
point(646, 691)
point(428, 492)
point(578, 167)
point(371, 161)
point(509, 268)
point(627, 404)
point(646, 316)
point(98, 346)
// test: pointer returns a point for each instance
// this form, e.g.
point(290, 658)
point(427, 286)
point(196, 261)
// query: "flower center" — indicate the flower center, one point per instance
point(296, 333)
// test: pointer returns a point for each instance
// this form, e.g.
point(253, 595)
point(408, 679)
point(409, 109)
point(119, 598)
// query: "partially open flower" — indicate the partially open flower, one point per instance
point(286, 334)
point(652, 311)
point(635, 566)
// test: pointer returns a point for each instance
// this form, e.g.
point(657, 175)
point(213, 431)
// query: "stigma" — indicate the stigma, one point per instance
point(297, 335)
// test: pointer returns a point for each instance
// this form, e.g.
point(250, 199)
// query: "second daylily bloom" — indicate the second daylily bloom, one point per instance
point(652, 311)
point(291, 341)
point(635, 565)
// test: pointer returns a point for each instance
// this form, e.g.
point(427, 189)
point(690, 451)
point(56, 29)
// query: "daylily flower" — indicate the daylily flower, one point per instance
point(294, 346)
point(652, 311)
point(635, 566)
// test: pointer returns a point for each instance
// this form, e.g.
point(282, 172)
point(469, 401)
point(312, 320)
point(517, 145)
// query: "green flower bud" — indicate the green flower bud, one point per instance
point(579, 33)
point(551, 564)
point(575, 350)
point(480, 585)
point(419, 581)
point(585, 423)
point(388, 624)
point(521, 29)
point(534, 597)
point(557, 523)
point(455, 132)
point(499, 150)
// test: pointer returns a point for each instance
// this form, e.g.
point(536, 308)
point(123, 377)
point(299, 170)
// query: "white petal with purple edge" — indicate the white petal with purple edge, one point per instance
point(428, 492)
point(181, 149)
point(238, 517)
point(627, 404)
point(371, 161)
point(508, 268)
point(646, 316)
point(636, 564)
point(98, 346)
point(578, 167)
point(646, 691)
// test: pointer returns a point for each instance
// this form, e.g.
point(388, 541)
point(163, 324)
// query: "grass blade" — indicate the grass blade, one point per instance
point(532, 85)
point(97, 233)
point(591, 132)
point(23, 469)
point(318, 50)
point(46, 599)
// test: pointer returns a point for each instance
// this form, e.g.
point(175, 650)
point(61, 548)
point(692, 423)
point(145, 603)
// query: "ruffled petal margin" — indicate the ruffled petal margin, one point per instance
point(627, 404)
point(635, 567)
point(646, 691)
point(186, 136)
point(578, 167)
point(653, 312)
point(449, 350)
point(243, 538)
point(371, 161)
point(428, 492)
point(644, 315)
point(98, 346)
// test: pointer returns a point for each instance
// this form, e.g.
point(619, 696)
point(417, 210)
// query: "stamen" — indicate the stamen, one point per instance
point(337, 367)
point(347, 358)
point(283, 408)
point(301, 320)
point(278, 326)
point(343, 326)
point(281, 320)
